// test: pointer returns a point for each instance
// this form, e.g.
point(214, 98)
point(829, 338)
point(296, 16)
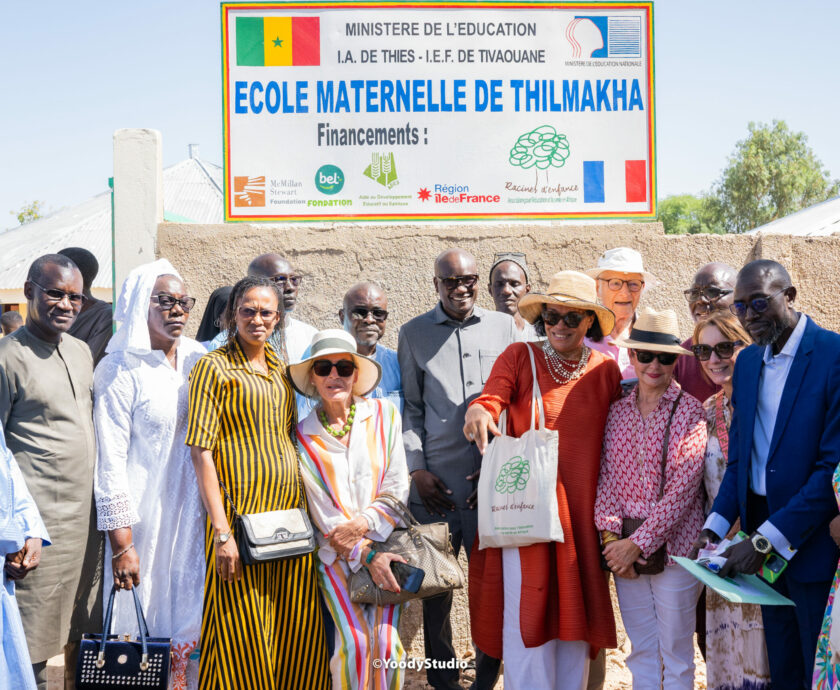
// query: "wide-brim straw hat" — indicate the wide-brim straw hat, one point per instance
point(657, 331)
point(622, 260)
point(334, 341)
point(571, 289)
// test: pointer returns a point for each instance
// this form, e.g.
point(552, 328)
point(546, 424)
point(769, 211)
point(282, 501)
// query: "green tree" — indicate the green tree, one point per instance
point(513, 476)
point(772, 173)
point(29, 212)
point(687, 214)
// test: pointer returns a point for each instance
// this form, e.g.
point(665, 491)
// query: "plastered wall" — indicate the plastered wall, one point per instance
point(401, 258)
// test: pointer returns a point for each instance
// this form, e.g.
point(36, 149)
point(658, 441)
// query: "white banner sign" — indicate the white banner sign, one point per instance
point(366, 111)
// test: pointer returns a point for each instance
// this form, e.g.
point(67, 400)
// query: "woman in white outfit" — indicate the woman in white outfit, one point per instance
point(146, 492)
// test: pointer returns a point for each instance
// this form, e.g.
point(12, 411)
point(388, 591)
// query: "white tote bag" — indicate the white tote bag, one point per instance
point(517, 488)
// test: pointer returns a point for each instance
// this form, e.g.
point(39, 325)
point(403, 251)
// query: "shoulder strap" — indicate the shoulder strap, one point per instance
point(666, 440)
point(536, 393)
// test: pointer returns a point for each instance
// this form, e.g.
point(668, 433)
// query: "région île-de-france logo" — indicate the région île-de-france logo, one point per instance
point(248, 191)
point(424, 194)
point(382, 169)
point(278, 41)
point(605, 37)
point(455, 194)
point(329, 179)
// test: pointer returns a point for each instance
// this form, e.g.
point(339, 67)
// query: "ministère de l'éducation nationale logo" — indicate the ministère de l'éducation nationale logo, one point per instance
point(329, 179)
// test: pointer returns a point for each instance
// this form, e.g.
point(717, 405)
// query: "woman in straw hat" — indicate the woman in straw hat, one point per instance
point(544, 607)
point(651, 470)
point(352, 453)
point(621, 278)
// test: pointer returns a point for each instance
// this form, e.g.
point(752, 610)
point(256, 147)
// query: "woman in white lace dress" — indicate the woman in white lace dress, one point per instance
point(146, 493)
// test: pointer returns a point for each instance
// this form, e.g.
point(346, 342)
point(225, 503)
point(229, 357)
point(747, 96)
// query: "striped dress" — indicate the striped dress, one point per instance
point(266, 631)
point(341, 483)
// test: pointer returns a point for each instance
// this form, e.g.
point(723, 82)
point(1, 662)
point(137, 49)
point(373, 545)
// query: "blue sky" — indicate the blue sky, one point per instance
point(75, 72)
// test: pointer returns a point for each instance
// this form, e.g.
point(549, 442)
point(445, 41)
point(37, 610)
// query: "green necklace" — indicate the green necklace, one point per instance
point(345, 429)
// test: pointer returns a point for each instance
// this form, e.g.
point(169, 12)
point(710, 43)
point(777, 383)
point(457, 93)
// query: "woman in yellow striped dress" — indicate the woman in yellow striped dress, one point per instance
point(262, 626)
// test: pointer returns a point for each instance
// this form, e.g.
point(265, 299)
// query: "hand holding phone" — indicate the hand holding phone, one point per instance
point(408, 577)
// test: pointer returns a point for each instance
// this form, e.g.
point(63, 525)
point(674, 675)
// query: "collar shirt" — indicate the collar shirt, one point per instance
point(619, 354)
point(444, 365)
point(771, 384)
point(631, 462)
point(343, 482)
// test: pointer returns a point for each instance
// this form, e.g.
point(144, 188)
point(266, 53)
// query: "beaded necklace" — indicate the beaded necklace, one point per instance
point(559, 365)
point(345, 429)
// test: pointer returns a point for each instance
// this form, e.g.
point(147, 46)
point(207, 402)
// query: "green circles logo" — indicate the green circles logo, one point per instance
point(329, 179)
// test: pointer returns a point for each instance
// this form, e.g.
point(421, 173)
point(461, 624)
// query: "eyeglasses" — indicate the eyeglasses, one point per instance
point(572, 319)
point(56, 295)
point(615, 284)
point(710, 294)
point(454, 282)
point(665, 358)
point(758, 305)
point(281, 279)
point(361, 313)
point(343, 367)
point(724, 350)
point(168, 301)
point(250, 314)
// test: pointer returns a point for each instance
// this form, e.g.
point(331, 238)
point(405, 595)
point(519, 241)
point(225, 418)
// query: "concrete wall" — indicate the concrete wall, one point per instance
point(401, 259)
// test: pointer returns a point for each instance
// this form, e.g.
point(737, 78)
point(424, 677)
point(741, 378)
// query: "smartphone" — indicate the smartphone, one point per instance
point(774, 566)
point(408, 577)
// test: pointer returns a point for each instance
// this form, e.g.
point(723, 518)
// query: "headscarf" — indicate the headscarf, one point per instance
point(131, 314)
point(210, 326)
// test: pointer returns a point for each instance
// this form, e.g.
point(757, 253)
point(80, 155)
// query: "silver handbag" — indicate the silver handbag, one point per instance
point(424, 546)
point(272, 535)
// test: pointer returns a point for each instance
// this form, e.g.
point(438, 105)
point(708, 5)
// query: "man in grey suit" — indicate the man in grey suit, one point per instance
point(445, 357)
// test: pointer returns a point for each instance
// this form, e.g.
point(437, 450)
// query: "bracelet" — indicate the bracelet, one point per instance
point(123, 552)
point(369, 557)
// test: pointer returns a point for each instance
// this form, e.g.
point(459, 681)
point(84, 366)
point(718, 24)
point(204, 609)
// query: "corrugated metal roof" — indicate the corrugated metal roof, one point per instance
point(192, 192)
point(819, 219)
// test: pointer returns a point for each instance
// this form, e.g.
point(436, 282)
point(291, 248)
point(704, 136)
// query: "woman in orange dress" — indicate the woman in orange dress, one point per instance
point(546, 608)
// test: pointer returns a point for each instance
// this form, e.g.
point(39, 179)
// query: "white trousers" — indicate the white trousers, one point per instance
point(658, 613)
point(556, 664)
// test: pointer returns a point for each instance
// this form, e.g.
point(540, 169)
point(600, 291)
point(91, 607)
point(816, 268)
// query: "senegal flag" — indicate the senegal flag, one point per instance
point(278, 41)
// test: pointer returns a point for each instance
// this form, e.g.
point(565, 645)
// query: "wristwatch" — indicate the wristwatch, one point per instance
point(761, 543)
point(223, 537)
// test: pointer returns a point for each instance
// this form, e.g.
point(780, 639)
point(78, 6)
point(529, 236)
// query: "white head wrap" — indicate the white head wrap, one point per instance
point(131, 314)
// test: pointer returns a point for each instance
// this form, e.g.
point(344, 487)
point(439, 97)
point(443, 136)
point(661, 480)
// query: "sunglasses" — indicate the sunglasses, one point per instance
point(572, 319)
point(281, 279)
point(665, 358)
point(361, 313)
point(56, 295)
point(710, 294)
point(615, 284)
point(168, 301)
point(454, 282)
point(344, 367)
point(250, 314)
point(724, 350)
point(758, 305)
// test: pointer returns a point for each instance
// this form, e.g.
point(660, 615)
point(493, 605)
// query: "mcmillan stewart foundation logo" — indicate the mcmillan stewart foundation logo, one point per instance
point(248, 191)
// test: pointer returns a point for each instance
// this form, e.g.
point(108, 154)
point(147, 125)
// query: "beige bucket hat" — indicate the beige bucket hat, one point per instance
point(334, 341)
point(571, 289)
point(657, 331)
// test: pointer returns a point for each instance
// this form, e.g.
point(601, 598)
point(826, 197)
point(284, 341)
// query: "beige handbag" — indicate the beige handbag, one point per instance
point(424, 546)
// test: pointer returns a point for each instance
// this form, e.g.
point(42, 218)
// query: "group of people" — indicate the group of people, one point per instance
point(665, 447)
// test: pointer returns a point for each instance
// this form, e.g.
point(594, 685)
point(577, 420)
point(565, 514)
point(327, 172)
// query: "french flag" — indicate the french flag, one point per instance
point(635, 182)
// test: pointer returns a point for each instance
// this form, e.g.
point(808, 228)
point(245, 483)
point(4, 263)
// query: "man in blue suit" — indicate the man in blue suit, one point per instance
point(784, 445)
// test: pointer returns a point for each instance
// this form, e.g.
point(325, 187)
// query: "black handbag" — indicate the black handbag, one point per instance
point(109, 661)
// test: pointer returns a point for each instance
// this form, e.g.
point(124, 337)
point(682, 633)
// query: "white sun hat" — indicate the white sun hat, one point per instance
point(622, 260)
point(334, 341)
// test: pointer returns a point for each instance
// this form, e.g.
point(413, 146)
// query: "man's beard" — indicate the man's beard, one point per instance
point(771, 336)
